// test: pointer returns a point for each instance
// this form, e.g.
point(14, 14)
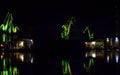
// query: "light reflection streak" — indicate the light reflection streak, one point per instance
point(108, 58)
point(8, 65)
point(24, 57)
point(117, 57)
point(66, 67)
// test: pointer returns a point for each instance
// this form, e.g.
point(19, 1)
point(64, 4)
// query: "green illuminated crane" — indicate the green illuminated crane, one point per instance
point(12, 28)
point(90, 35)
point(7, 28)
point(66, 28)
point(7, 25)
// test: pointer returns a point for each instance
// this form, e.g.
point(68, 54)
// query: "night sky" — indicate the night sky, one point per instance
point(43, 19)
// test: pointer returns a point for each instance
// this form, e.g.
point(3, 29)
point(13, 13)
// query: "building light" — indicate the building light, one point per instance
point(1, 45)
point(93, 42)
point(86, 43)
point(31, 41)
point(107, 39)
point(31, 60)
point(93, 55)
point(86, 54)
point(116, 39)
point(21, 56)
point(21, 44)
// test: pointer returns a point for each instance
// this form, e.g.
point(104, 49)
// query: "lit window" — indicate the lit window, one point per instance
point(21, 56)
point(93, 42)
point(93, 55)
point(31, 41)
point(21, 44)
point(107, 39)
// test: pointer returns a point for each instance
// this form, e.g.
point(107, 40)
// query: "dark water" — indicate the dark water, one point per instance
point(47, 59)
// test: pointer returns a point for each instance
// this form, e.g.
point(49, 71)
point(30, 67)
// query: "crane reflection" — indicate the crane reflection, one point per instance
point(110, 56)
point(9, 62)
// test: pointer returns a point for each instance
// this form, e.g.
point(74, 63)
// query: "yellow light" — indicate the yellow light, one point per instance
point(1, 45)
point(21, 44)
point(93, 42)
point(86, 55)
point(1, 56)
point(107, 39)
point(93, 55)
point(86, 43)
point(21, 56)
point(116, 39)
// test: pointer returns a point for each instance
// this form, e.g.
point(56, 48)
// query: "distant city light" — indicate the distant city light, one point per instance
point(107, 39)
point(116, 39)
point(21, 44)
point(94, 55)
point(31, 60)
point(86, 54)
point(86, 43)
point(31, 41)
point(21, 56)
point(93, 42)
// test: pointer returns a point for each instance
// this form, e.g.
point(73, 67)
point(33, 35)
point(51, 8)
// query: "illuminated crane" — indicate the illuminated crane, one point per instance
point(7, 28)
point(7, 25)
point(90, 35)
point(66, 28)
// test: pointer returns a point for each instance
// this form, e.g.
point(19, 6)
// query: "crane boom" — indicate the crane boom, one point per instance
point(90, 35)
point(66, 28)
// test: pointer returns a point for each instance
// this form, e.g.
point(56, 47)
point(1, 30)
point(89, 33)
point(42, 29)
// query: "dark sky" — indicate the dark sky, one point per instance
point(46, 17)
